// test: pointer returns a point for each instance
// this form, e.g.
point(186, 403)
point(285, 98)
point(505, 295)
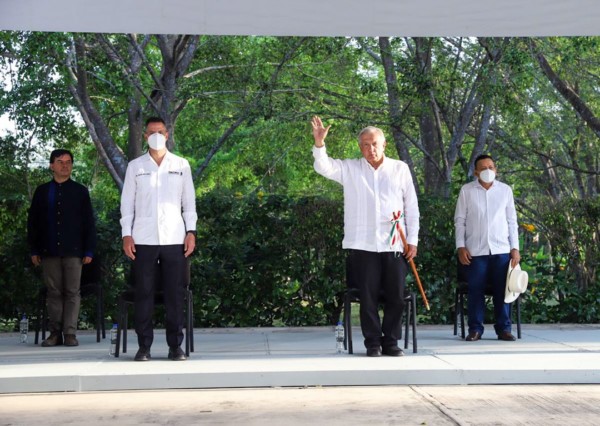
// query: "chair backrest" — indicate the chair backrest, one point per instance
point(131, 277)
point(461, 272)
point(91, 275)
point(92, 272)
point(350, 282)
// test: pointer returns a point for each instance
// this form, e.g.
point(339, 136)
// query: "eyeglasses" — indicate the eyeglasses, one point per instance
point(64, 163)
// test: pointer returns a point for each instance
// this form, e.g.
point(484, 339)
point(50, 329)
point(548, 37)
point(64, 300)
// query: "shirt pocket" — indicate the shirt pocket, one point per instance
point(175, 184)
point(392, 200)
point(143, 196)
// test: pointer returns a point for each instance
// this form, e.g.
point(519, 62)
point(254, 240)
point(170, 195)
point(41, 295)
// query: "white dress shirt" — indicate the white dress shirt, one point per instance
point(371, 197)
point(158, 203)
point(486, 220)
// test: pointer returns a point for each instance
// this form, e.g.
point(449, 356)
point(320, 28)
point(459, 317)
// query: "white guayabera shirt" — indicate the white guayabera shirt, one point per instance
point(158, 203)
point(486, 221)
point(371, 197)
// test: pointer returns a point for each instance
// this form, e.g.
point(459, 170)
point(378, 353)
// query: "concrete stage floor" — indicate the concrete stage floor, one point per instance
point(304, 357)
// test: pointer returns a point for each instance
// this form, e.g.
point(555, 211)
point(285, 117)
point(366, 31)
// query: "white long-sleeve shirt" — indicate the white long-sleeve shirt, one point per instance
point(486, 221)
point(371, 197)
point(158, 203)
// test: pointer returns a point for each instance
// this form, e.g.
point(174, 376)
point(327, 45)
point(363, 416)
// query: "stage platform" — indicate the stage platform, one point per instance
point(297, 357)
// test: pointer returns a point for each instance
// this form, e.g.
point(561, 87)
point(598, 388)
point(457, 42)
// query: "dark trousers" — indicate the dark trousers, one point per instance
point(490, 269)
point(159, 268)
point(62, 276)
point(375, 275)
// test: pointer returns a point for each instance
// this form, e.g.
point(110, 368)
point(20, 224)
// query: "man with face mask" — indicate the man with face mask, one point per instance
point(379, 195)
point(158, 221)
point(487, 240)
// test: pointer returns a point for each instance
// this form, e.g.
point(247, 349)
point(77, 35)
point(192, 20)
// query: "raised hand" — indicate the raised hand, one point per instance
point(319, 131)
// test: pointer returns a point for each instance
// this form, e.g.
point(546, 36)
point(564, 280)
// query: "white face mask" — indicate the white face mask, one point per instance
point(487, 176)
point(157, 141)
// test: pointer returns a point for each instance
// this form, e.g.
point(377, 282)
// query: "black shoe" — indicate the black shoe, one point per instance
point(506, 336)
point(143, 354)
point(393, 351)
point(374, 351)
point(176, 354)
point(473, 336)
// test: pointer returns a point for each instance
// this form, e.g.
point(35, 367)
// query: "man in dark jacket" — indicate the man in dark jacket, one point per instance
point(62, 237)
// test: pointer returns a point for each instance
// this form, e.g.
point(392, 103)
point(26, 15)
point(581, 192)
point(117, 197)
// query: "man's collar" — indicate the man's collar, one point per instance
point(384, 161)
point(60, 183)
point(150, 158)
point(478, 183)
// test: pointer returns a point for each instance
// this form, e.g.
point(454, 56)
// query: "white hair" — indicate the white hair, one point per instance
point(370, 129)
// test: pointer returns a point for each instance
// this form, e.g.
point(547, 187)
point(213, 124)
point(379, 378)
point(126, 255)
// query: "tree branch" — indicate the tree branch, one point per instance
point(566, 90)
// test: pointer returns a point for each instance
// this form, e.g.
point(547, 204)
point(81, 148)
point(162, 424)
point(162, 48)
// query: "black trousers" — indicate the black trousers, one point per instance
point(378, 275)
point(159, 268)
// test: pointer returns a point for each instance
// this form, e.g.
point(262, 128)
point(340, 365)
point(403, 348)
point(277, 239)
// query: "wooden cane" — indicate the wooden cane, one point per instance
point(413, 267)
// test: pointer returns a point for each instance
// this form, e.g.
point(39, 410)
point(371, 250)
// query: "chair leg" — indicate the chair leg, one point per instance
point(119, 327)
point(348, 324)
point(519, 317)
point(98, 312)
point(188, 324)
point(191, 307)
point(413, 302)
point(407, 308)
point(187, 339)
point(456, 312)
point(118, 345)
point(38, 323)
point(44, 320)
point(462, 314)
point(102, 324)
point(124, 320)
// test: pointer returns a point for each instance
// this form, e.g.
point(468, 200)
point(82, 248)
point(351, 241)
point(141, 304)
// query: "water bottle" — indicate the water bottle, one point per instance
point(339, 337)
point(24, 328)
point(113, 340)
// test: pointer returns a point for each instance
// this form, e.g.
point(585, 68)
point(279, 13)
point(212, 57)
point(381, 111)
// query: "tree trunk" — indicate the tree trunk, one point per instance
point(394, 109)
point(431, 139)
point(111, 155)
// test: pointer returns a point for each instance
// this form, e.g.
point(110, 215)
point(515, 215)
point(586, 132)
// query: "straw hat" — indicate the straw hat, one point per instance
point(516, 283)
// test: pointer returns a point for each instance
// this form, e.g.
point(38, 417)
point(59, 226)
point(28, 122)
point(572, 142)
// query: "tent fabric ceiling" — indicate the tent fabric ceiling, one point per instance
point(492, 18)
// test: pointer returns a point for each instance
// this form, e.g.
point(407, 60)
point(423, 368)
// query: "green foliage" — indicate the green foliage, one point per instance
point(573, 230)
point(436, 262)
point(274, 260)
point(551, 296)
point(268, 260)
point(277, 259)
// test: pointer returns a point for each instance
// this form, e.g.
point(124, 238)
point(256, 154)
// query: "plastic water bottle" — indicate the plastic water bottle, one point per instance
point(339, 338)
point(24, 329)
point(113, 340)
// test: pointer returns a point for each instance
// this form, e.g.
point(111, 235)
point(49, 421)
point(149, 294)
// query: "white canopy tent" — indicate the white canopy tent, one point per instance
point(307, 17)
